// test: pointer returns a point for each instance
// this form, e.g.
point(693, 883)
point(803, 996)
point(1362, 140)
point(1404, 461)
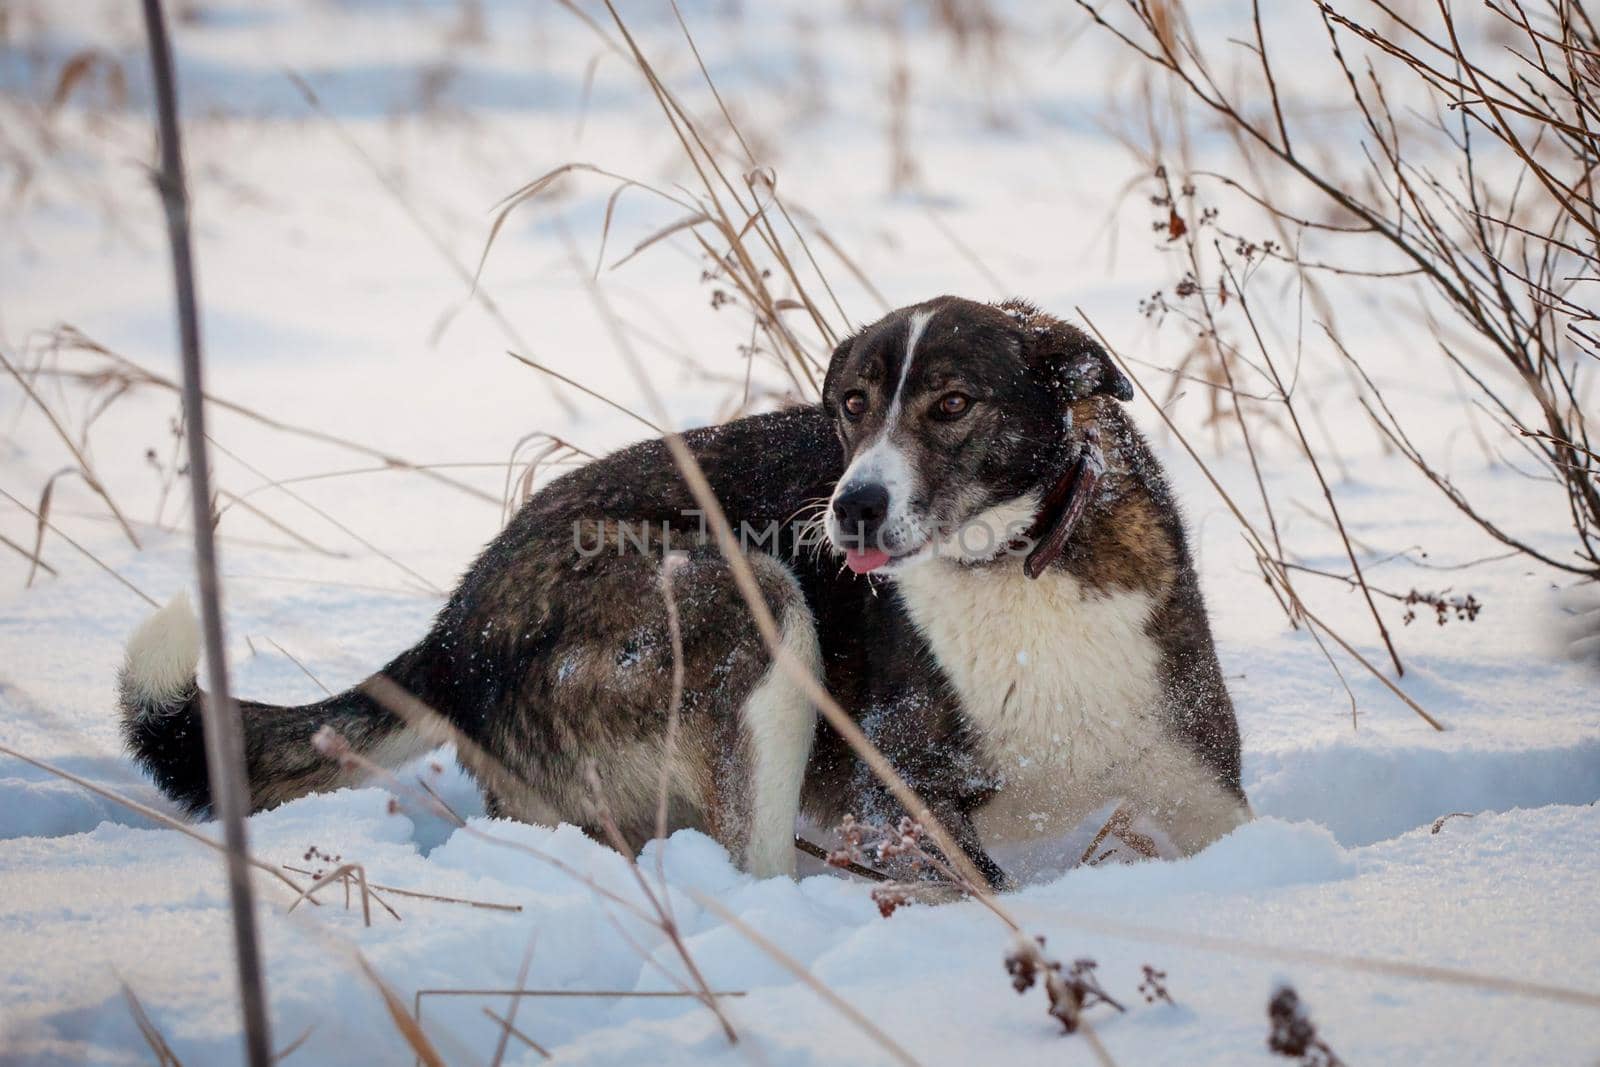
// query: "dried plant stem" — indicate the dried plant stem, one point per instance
point(1393, 968)
point(435, 239)
point(664, 920)
point(749, 278)
point(669, 566)
point(72, 446)
point(509, 1029)
point(1512, 260)
point(846, 1009)
point(771, 235)
point(818, 852)
point(138, 375)
point(321, 513)
point(1285, 394)
point(164, 1055)
point(282, 527)
point(1275, 573)
point(223, 738)
point(35, 561)
point(90, 556)
point(408, 1025)
point(417, 894)
point(292, 658)
point(342, 874)
point(584, 389)
point(148, 812)
point(508, 1024)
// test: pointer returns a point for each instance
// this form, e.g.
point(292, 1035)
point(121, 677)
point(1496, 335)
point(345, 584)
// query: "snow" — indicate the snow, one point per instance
point(325, 307)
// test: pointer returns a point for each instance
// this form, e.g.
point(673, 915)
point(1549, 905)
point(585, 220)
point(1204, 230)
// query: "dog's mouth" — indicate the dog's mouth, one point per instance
point(868, 553)
point(1060, 510)
point(865, 561)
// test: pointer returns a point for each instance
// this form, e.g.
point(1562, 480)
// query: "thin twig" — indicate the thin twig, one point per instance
point(90, 556)
point(223, 738)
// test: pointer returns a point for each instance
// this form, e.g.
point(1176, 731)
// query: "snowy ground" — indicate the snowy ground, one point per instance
point(327, 308)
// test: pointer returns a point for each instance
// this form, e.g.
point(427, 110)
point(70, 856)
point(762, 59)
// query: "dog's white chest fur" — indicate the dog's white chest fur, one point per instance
point(1060, 684)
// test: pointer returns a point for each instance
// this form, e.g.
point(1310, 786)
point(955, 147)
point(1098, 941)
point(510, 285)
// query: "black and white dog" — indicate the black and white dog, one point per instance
point(1039, 649)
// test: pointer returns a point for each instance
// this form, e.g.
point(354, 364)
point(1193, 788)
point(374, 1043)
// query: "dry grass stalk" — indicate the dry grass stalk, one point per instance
point(46, 495)
point(669, 567)
point(145, 810)
point(292, 658)
point(550, 450)
point(407, 1024)
point(235, 499)
point(342, 874)
point(224, 742)
point(502, 780)
point(508, 1024)
point(435, 239)
point(1107, 926)
point(90, 556)
point(83, 467)
point(848, 1011)
point(831, 859)
point(164, 1055)
point(763, 181)
point(664, 920)
point(1273, 572)
point(733, 212)
point(1119, 824)
point(509, 1029)
point(71, 339)
point(519, 993)
point(584, 389)
point(294, 1046)
point(1506, 261)
point(322, 513)
point(417, 894)
point(35, 561)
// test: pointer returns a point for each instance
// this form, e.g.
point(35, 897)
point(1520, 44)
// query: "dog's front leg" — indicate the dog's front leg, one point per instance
point(958, 821)
point(954, 814)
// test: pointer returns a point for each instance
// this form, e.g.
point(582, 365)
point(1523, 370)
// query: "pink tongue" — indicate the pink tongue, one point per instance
point(864, 562)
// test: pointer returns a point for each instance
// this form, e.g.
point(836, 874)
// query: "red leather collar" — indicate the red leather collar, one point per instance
point(1063, 505)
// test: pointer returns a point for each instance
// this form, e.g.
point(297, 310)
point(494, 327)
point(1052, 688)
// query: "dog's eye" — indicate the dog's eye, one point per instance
point(854, 405)
point(952, 406)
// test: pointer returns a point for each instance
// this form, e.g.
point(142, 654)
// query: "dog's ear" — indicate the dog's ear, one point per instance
point(1073, 364)
point(1079, 367)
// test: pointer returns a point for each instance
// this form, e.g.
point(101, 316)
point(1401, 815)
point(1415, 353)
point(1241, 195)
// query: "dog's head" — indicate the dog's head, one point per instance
point(954, 417)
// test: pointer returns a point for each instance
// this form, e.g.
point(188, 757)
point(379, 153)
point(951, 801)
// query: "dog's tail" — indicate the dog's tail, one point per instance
point(162, 724)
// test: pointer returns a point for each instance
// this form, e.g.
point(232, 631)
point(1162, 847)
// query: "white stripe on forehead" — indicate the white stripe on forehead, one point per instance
point(881, 461)
point(919, 322)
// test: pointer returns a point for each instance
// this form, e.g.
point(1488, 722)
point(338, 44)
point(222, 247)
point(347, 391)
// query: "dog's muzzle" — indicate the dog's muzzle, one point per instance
point(859, 512)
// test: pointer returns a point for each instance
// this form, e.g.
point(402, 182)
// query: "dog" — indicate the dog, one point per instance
point(1017, 623)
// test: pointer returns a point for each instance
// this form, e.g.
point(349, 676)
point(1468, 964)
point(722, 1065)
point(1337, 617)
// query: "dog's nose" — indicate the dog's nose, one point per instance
point(861, 508)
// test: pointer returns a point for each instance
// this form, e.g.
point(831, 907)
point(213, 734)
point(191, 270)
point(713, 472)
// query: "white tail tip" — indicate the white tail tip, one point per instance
point(163, 654)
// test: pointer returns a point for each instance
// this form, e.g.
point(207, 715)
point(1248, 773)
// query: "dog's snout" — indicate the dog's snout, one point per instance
point(862, 507)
